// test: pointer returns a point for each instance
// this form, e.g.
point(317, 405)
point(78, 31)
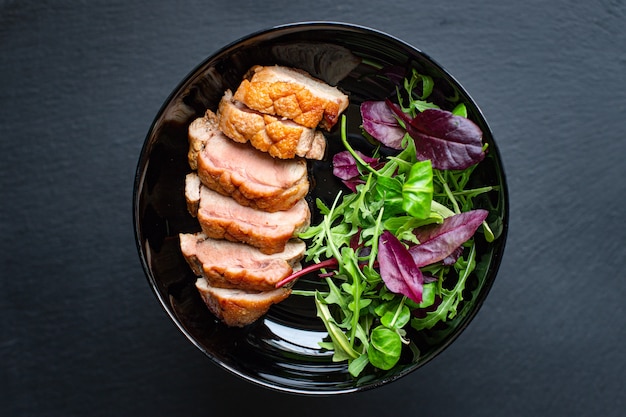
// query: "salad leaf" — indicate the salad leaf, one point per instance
point(448, 308)
point(385, 348)
point(387, 249)
point(345, 168)
point(396, 318)
point(448, 140)
point(380, 122)
point(398, 269)
point(342, 348)
point(390, 190)
point(417, 190)
point(441, 240)
point(418, 88)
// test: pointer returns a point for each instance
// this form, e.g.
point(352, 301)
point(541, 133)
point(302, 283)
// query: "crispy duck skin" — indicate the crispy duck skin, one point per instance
point(281, 138)
point(292, 93)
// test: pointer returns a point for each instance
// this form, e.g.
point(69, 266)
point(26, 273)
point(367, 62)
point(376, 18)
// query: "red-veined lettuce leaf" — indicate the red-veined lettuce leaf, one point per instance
point(440, 241)
point(398, 269)
point(449, 141)
point(379, 121)
point(346, 169)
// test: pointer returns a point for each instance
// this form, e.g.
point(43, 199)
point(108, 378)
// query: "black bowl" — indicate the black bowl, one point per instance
point(280, 350)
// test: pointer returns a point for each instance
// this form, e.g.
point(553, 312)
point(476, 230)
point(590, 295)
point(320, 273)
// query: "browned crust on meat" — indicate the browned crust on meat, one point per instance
point(199, 131)
point(247, 268)
point(293, 100)
point(239, 311)
point(269, 239)
point(279, 137)
point(225, 184)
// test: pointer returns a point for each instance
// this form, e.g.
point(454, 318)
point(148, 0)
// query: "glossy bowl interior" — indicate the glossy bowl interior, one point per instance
point(280, 351)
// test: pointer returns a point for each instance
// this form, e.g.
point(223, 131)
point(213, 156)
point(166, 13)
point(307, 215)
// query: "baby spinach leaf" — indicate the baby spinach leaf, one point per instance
point(390, 190)
point(396, 318)
point(417, 190)
point(428, 295)
point(385, 348)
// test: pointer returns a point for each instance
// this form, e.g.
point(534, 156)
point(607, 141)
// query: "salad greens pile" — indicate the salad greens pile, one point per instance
point(386, 248)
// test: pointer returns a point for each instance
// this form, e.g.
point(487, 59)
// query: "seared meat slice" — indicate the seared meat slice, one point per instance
point(227, 264)
point(200, 132)
point(237, 307)
point(221, 217)
point(293, 94)
point(192, 192)
point(281, 138)
point(252, 177)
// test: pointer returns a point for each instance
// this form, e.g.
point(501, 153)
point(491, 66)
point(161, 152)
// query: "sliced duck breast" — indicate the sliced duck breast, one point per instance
point(251, 177)
point(236, 307)
point(221, 217)
point(228, 264)
point(200, 131)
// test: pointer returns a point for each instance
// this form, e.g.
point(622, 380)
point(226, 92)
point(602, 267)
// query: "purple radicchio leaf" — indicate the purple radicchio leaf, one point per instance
point(448, 140)
point(346, 169)
point(380, 122)
point(397, 268)
point(442, 241)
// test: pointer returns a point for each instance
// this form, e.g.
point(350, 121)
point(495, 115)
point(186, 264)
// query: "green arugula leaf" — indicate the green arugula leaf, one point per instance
point(342, 348)
point(357, 365)
point(449, 305)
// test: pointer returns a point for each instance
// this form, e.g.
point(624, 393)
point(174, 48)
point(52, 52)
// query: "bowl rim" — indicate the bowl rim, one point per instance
point(141, 168)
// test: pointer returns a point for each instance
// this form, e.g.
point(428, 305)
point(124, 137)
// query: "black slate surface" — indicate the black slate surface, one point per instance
point(81, 332)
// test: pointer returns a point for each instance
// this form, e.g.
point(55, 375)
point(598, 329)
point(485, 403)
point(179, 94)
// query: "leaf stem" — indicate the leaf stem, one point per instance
point(328, 263)
point(344, 140)
point(472, 192)
point(356, 299)
point(448, 192)
point(328, 219)
point(377, 233)
point(397, 313)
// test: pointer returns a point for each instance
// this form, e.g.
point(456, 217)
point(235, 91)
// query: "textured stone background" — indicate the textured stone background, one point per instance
point(81, 332)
